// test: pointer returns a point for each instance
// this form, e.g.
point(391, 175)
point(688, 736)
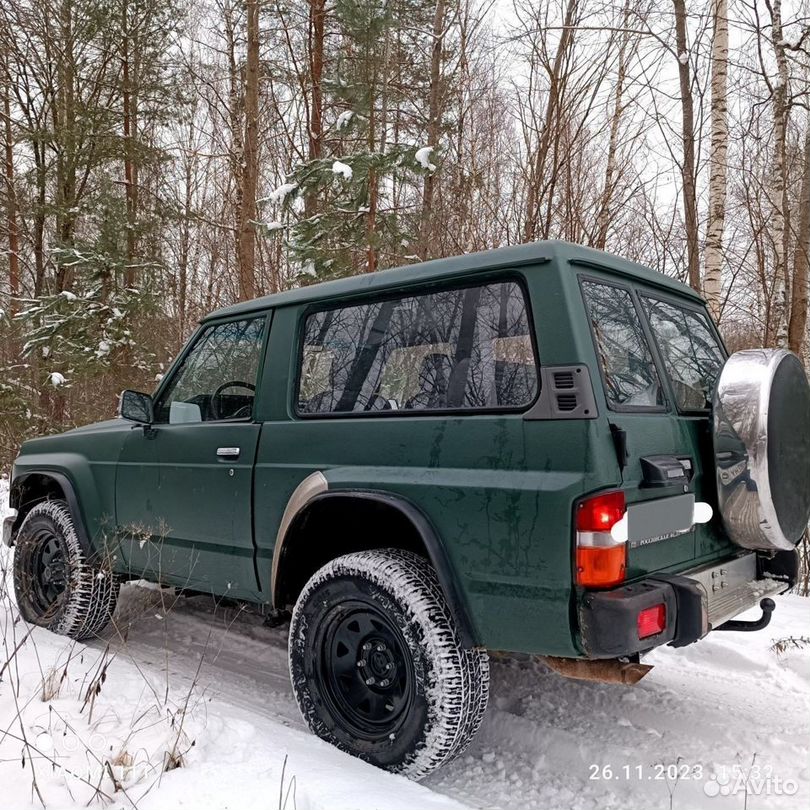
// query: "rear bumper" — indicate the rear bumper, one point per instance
point(694, 603)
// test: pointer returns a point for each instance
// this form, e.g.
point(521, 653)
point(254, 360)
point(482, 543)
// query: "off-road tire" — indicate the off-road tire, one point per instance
point(450, 684)
point(90, 592)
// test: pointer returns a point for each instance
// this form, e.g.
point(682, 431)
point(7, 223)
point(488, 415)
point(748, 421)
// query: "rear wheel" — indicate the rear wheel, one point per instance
point(55, 585)
point(377, 667)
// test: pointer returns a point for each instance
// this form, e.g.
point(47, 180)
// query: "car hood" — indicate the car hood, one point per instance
point(62, 440)
point(95, 427)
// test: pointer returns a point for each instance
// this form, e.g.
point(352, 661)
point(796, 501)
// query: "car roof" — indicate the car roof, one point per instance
point(440, 269)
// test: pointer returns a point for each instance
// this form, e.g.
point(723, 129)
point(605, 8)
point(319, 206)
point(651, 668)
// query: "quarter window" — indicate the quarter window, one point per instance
point(217, 379)
point(692, 355)
point(454, 349)
point(631, 380)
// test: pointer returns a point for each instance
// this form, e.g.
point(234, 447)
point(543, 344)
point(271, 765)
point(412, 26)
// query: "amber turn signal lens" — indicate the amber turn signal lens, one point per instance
point(601, 566)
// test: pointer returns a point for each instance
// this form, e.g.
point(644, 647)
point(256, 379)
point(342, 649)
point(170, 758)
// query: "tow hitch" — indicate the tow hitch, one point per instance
point(766, 605)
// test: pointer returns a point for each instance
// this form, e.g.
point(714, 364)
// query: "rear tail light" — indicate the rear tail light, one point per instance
point(652, 620)
point(601, 560)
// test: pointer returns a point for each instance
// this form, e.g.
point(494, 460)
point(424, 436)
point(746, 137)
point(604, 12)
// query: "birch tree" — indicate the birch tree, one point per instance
point(776, 333)
point(797, 327)
point(718, 157)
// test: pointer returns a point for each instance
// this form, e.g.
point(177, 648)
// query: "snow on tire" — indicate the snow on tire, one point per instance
point(55, 584)
point(377, 666)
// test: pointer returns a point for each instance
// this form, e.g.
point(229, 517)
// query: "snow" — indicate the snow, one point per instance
point(342, 168)
point(791, 40)
point(67, 295)
point(56, 379)
point(210, 684)
point(275, 225)
point(343, 119)
point(422, 157)
point(280, 194)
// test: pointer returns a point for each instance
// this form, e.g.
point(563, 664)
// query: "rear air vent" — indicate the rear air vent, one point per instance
point(566, 402)
point(563, 379)
point(565, 393)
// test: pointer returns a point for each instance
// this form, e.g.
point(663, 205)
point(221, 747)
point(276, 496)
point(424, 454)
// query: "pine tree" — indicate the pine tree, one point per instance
point(351, 220)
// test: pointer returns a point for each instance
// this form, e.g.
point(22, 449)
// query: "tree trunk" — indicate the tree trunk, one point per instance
point(547, 137)
point(688, 137)
point(185, 249)
point(11, 199)
point(41, 175)
point(603, 217)
point(801, 260)
point(317, 16)
point(129, 92)
point(713, 266)
point(780, 220)
point(250, 161)
point(373, 179)
point(65, 126)
point(434, 104)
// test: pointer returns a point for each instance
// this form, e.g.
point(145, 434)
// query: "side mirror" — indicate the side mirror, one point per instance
point(136, 407)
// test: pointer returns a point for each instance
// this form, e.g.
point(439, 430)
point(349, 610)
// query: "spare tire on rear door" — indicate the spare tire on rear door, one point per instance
point(762, 448)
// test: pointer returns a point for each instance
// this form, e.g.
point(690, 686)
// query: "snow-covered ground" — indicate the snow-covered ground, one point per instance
point(206, 687)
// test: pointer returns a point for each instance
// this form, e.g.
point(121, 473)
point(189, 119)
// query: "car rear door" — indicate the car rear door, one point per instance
point(659, 449)
point(691, 356)
point(183, 490)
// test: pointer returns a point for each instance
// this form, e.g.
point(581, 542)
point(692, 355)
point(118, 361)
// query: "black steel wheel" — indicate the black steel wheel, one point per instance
point(55, 585)
point(366, 668)
point(377, 667)
point(47, 572)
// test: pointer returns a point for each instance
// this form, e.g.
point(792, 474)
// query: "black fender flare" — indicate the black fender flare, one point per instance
point(436, 551)
point(16, 499)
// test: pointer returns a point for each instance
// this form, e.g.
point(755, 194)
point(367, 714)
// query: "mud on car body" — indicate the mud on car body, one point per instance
point(541, 449)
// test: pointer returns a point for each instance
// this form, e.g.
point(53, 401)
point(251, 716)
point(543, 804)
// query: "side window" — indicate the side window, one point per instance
point(453, 349)
point(631, 379)
point(692, 355)
point(217, 379)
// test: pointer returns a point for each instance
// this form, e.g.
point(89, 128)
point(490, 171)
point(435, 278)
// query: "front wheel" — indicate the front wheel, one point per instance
point(55, 585)
point(377, 667)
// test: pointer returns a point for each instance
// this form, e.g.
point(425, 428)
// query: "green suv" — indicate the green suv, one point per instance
point(541, 449)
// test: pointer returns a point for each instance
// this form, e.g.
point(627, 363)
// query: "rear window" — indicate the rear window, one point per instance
point(692, 355)
point(462, 349)
point(631, 380)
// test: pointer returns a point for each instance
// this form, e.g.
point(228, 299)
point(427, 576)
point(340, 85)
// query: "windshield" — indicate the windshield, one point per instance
point(692, 354)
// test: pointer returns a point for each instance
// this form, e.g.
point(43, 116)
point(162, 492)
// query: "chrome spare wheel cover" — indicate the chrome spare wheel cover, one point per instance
point(762, 448)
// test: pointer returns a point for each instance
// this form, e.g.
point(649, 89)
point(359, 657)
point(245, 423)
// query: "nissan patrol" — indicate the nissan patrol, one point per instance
point(541, 449)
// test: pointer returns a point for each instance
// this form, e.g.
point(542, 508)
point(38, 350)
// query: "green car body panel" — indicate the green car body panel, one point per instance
point(497, 490)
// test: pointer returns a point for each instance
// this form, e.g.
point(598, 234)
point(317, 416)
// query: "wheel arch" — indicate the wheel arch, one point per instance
point(34, 486)
point(300, 548)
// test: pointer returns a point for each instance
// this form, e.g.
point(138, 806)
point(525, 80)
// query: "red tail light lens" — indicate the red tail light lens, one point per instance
point(601, 560)
point(600, 513)
point(652, 621)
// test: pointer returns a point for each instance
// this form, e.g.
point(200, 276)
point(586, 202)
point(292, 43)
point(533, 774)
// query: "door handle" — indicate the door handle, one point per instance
point(228, 452)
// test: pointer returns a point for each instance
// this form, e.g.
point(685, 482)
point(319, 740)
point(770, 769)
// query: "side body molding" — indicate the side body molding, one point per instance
point(316, 488)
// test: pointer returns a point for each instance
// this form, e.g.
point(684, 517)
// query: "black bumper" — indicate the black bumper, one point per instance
point(608, 620)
